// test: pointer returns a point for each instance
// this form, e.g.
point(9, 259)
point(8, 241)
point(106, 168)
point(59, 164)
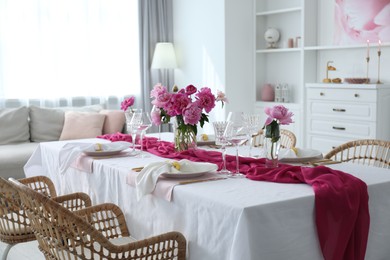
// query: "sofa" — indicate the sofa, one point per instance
point(23, 128)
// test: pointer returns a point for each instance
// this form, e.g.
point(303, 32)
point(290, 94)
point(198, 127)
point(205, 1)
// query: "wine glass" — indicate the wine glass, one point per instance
point(145, 122)
point(155, 115)
point(237, 136)
point(133, 126)
point(252, 123)
point(221, 138)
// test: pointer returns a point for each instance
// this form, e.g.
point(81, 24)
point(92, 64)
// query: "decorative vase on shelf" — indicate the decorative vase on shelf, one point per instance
point(184, 135)
point(272, 144)
point(268, 93)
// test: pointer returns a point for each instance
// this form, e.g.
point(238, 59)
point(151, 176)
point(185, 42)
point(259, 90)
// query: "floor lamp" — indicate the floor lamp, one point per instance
point(164, 59)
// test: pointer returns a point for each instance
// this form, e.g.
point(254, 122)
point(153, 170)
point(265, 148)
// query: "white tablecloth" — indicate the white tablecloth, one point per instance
point(226, 219)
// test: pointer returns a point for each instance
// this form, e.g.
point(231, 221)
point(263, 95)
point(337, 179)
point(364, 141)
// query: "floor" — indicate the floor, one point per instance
point(23, 251)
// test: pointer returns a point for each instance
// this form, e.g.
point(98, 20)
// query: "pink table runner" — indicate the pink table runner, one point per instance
point(341, 200)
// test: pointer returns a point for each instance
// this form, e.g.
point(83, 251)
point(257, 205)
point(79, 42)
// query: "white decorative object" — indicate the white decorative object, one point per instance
point(285, 93)
point(278, 93)
point(272, 37)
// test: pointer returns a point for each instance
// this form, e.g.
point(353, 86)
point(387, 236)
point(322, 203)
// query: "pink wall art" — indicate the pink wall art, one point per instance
point(359, 21)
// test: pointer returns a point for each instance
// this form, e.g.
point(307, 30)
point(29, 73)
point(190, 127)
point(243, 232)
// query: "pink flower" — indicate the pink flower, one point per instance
point(278, 113)
point(162, 99)
point(206, 99)
point(156, 117)
point(158, 90)
point(192, 114)
point(221, 97)
point(180, 101)
point(191, 89)
point(127, 103)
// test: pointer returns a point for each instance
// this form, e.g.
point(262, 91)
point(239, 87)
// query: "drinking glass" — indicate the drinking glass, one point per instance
point(252, 123)
point(221, 138)
point(154, 114)
point(237, 136)
point(145, 122)
point(133, 126)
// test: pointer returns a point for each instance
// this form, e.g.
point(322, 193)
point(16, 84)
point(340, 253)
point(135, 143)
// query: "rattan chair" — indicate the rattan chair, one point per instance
point(97, 232)
point(287, 139)
point(14, 223)
point(368, 152)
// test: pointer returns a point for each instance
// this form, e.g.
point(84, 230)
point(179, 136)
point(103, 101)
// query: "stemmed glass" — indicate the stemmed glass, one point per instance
point(144, 123)
point(221, 138)
point(252, 123)
point(155, 115)
point(133, 126)
point(237, 136)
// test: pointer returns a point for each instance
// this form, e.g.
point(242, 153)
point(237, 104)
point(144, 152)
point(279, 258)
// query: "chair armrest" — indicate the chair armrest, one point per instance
point(107, 218)
point(74, 201)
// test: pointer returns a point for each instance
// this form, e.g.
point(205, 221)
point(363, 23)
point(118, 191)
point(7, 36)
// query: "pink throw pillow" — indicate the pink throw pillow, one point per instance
point(114, 122)
point(79, 125)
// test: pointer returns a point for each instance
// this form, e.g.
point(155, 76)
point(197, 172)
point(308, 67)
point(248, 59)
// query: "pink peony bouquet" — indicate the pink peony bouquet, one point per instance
point(127, 103)
point(277, 115)
point(189, 105)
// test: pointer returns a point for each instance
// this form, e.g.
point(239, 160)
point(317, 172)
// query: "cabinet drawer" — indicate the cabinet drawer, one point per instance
point(358, 95)
point(352, 111)
point(343, 128)
point(326, 143)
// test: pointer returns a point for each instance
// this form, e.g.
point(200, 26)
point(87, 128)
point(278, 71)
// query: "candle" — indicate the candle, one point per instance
point(379, 45)
point(368, 48)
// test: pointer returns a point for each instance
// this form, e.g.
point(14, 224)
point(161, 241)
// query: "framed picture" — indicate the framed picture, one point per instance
point(357, 21)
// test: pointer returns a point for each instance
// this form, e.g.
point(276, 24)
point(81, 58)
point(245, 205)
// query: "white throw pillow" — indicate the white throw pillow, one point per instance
point(79, 125)
point(14, 125)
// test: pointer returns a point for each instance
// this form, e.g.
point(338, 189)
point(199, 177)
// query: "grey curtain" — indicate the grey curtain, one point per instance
point(156, 25)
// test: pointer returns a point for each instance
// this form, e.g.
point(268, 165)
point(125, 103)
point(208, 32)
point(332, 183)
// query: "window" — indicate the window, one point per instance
point(64, 48)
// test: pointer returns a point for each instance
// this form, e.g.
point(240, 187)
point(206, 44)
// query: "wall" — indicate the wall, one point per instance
point(214, 46)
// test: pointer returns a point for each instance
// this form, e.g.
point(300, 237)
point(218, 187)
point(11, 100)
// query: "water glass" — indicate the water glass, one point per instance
point(221, 138)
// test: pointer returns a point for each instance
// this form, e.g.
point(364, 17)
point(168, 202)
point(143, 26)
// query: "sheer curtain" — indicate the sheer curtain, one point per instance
point(62, 51)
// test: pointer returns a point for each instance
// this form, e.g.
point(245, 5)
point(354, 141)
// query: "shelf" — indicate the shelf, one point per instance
point(338, 47)
point(278, 50)
point(280, 11)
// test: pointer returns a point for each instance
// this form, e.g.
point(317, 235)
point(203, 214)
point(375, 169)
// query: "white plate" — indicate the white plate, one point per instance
point(304, 155)
point(102, 153)
point(191, 174)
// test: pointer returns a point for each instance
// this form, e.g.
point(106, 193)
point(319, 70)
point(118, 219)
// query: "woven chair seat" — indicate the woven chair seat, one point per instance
point(288, 139)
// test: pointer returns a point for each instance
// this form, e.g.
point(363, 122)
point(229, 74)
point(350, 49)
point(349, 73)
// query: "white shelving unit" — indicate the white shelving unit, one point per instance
point(313, 21)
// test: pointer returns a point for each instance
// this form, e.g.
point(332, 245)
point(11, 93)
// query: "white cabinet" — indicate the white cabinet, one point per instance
point(338, 113)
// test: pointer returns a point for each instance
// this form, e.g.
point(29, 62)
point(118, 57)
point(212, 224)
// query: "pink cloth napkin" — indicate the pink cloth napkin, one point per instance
point(341, 200)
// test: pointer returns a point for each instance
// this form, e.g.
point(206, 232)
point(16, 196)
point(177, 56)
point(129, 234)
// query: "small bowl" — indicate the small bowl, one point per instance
point(357, 80)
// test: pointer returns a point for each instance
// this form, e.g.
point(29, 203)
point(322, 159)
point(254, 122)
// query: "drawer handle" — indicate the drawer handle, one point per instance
point(333, 147)
point(357, 95)
point(322, 94)
point(339, 110)
point(338, 128)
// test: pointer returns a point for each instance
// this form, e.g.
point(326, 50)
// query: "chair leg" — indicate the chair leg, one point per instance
point(5, 254)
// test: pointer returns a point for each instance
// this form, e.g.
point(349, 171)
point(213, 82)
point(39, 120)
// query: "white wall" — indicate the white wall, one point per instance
point(214, 47)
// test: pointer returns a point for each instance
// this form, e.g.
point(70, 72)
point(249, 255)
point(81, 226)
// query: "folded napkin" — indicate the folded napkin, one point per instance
point(70, 152)
point(146, 179)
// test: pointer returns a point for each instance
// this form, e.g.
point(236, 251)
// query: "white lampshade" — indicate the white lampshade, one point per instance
point(164, 56)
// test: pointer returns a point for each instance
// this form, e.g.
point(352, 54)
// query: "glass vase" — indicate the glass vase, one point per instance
point(272, 145)
point(184, 135)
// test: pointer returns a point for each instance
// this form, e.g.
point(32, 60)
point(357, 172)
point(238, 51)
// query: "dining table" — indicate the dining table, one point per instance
point(221, 218)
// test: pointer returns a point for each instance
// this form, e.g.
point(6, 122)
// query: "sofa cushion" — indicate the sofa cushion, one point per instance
point(78, 125)
point(46, 123)
point(114, 122)
point(14, 125)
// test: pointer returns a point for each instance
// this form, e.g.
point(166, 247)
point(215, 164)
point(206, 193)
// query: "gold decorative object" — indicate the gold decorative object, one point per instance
point(328, 68)
point(379, 62)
